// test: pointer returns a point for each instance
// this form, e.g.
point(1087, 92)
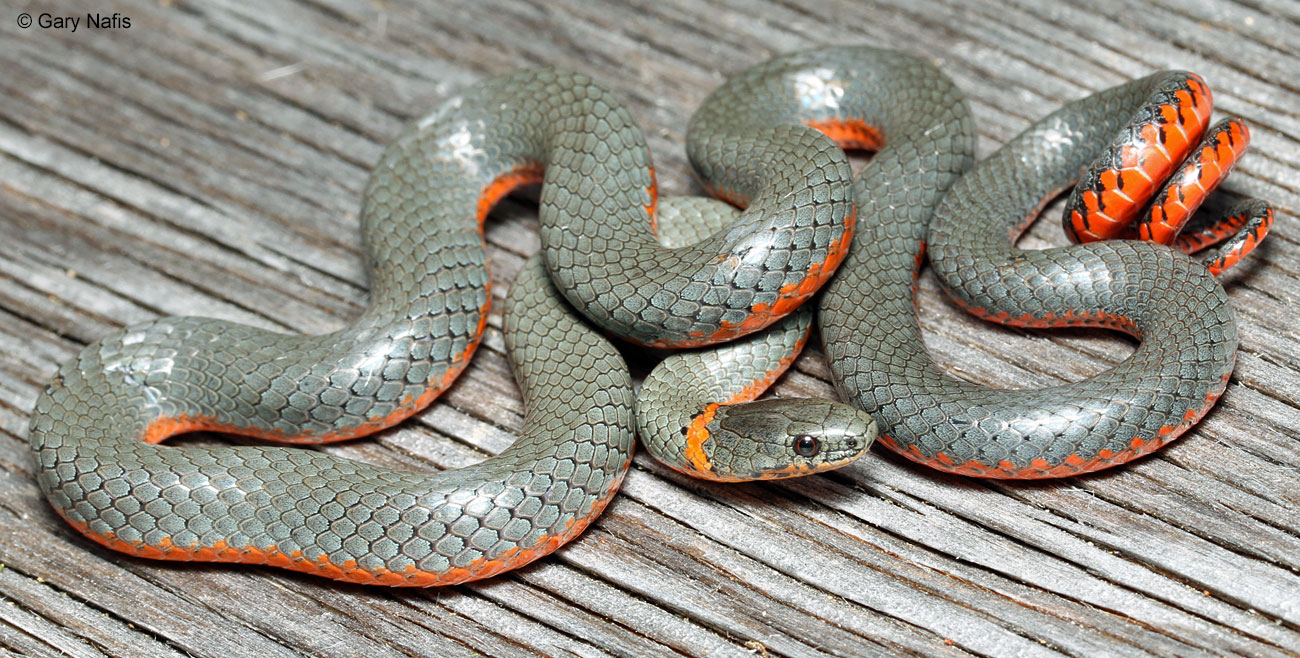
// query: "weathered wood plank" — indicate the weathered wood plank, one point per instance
point(210, 159)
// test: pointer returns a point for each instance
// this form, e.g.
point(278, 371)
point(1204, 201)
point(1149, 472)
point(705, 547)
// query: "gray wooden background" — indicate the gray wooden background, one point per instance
point(210, 159)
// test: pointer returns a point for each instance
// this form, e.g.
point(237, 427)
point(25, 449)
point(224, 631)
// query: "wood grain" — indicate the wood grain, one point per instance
point(210, 160)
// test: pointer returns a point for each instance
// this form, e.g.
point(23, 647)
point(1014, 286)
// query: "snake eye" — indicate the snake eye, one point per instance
point(807, 446)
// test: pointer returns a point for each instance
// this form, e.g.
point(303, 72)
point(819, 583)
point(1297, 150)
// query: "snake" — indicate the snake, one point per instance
point(768, 141)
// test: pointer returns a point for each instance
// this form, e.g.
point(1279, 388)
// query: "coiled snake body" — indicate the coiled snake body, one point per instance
point(95, 431)
point(1174, 304)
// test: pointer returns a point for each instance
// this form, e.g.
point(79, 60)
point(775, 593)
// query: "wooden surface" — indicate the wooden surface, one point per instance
point(210, 160)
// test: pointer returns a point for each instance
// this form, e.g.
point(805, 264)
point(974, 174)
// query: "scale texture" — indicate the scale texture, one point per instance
point(873, 341)
point(96, 426)
point(95, 431)
point(694, 412)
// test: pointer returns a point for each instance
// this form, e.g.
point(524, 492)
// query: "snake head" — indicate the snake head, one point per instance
point(780, 438)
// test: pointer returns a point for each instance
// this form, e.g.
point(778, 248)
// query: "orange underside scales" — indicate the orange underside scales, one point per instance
point(1190, 187)
point(1161, 147)
point(652, 209)
point(504, 185)
point(696, 434)
point(1113, 210)
point(850, 133)
point(1190, 243)
point(1226, 228)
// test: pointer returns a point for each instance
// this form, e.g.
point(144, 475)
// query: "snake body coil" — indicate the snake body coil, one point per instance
point(95, 430)
point(1174, 304)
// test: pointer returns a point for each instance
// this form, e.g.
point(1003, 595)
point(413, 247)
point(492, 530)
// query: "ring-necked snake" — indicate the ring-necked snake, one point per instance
point(96, 429)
